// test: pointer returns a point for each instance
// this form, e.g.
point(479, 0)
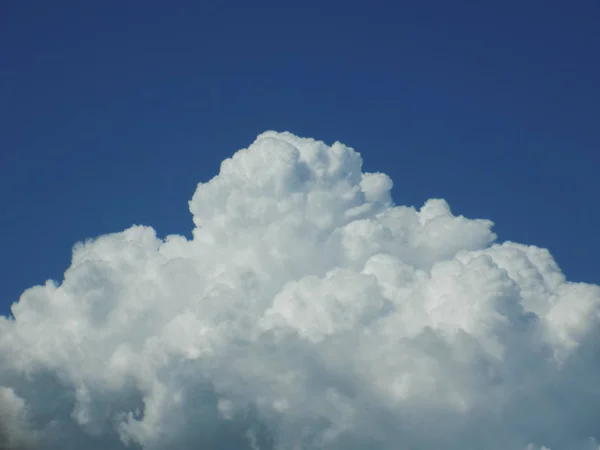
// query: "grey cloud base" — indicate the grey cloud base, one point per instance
point(308, 311)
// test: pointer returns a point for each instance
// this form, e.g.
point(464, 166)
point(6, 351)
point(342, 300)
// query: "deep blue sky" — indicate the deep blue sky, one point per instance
point(111, 112)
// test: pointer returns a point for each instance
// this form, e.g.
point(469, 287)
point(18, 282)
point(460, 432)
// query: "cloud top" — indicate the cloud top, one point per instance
point(308, 311)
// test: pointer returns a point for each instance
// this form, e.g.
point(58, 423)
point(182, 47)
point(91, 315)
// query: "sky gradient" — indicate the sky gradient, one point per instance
point(273, 290)
point(112, 112)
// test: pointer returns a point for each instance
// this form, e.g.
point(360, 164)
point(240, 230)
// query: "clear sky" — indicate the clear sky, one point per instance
point(111, 112)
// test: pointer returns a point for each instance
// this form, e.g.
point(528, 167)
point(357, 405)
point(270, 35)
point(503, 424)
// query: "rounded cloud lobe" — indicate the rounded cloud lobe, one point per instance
point(308, 311)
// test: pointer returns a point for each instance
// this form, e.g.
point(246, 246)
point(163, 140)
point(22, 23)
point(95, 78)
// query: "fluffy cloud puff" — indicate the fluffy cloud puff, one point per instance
point(308, 311)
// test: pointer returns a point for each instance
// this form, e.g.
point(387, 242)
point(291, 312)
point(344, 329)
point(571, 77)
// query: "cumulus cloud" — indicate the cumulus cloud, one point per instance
point(308, 311)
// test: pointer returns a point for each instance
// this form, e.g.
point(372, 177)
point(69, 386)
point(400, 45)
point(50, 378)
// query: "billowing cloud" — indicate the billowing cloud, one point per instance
point(307, 312)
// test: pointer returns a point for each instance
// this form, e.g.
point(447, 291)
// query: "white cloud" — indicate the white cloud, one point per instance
point(308, 311)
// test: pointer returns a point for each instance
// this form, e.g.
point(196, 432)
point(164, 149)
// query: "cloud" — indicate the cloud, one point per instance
point(308, 311)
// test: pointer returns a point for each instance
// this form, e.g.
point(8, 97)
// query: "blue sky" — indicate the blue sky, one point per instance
point(111, 112)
